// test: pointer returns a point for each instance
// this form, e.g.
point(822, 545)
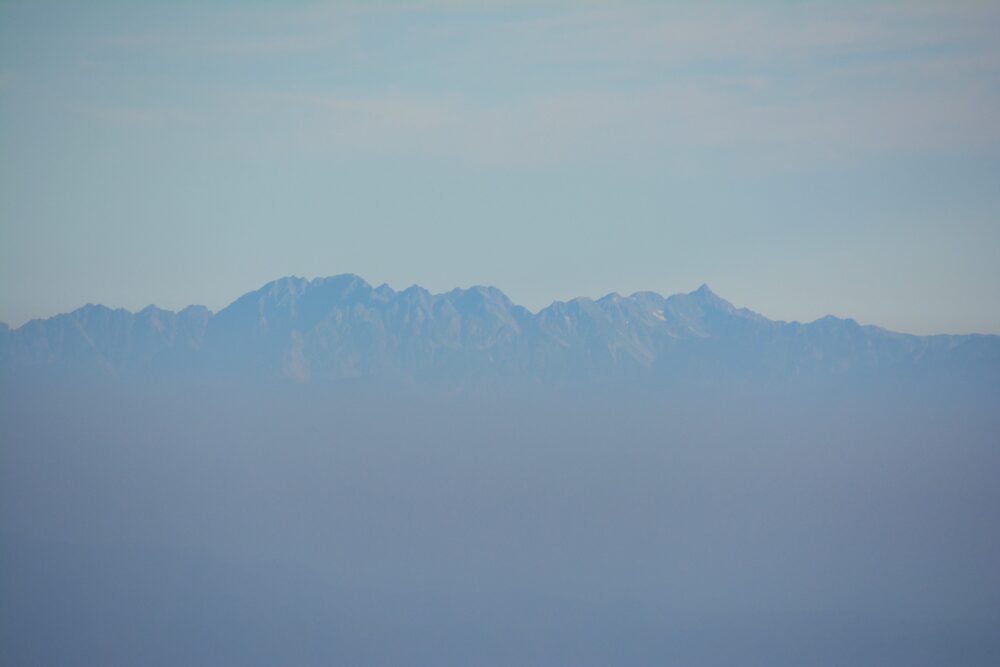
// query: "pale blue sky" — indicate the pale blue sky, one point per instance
point(803, 158)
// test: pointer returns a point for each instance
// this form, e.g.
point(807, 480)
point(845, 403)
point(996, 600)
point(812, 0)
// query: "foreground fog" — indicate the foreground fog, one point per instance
point(207, 524)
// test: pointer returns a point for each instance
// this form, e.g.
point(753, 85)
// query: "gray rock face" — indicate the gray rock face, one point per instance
point(341, 327)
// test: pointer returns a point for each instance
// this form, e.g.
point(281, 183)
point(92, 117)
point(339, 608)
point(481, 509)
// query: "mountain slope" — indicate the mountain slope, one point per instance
point(342, 327)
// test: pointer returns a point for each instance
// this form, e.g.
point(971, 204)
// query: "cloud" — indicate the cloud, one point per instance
point(734, 114)
point(513, 84)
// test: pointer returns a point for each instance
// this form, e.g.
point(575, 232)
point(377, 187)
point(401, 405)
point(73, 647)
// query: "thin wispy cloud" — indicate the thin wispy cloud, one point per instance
point(820, 78)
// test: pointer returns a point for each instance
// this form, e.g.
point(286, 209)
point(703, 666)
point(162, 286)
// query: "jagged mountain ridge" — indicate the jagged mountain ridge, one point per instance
point(343, 327)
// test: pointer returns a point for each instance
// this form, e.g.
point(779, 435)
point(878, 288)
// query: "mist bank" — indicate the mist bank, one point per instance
point(261, 523)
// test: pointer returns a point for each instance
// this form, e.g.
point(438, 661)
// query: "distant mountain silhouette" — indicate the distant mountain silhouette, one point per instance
point(341, 327)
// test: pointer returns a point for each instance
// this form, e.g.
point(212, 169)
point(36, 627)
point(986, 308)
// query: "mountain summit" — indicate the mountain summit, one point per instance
point(341, 327)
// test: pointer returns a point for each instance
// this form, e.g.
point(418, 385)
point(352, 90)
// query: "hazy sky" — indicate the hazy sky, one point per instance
point(803, 158)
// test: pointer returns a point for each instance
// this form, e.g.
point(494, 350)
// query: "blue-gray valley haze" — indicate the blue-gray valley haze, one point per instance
point(325, 472)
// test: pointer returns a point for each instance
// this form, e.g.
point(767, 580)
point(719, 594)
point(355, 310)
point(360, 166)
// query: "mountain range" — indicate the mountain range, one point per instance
point(342, 327)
